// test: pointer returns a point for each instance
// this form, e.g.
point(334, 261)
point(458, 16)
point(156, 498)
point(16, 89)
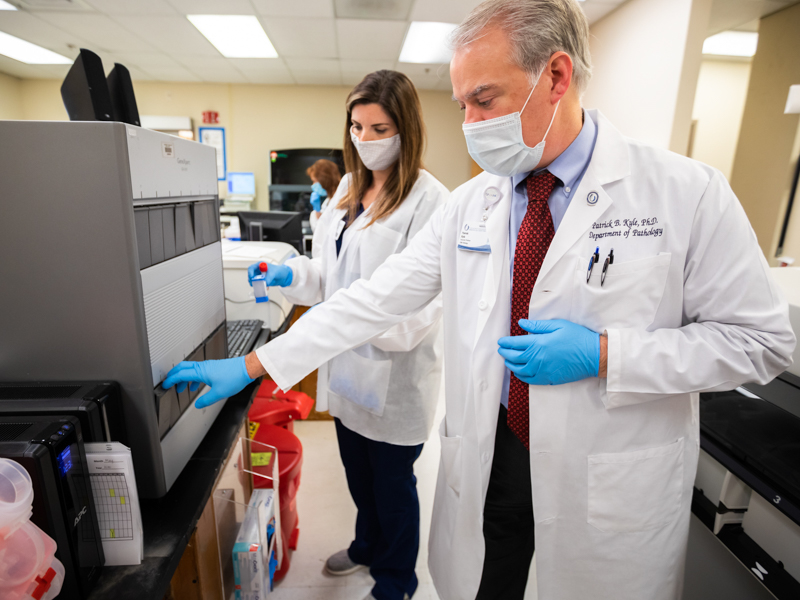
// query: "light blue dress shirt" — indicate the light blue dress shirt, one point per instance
point(569, 168)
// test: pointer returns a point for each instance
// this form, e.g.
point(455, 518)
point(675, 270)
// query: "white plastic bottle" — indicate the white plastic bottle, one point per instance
point(29, 569)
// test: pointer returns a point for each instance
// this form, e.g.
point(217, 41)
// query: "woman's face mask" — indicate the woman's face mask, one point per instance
point(378, 155)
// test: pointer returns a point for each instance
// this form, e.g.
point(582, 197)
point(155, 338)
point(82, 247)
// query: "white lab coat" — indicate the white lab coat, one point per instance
point(688, 305)
point(385, 390)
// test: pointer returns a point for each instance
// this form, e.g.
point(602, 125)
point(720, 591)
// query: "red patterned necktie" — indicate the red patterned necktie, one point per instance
point(533, 240)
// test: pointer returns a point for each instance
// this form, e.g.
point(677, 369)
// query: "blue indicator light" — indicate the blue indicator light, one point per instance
point(65, 461)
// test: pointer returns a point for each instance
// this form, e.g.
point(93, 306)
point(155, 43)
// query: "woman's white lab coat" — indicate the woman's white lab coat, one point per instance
point(385, 390)
point(689, 306)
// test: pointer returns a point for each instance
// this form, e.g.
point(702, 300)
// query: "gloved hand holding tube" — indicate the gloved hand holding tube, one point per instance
point(318, 194)
point(316, 201)
point(556, 352)
point(279, 275)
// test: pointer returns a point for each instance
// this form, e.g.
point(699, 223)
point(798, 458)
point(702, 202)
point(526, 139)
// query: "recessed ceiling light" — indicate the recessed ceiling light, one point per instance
point(30, 54)
point(732, 43)
point(235, 36)
point(426, 42)
point(6, 6)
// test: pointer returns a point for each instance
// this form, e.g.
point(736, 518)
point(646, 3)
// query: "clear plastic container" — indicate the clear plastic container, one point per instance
point(260, 284)
point(28, 567)
point(16, 495)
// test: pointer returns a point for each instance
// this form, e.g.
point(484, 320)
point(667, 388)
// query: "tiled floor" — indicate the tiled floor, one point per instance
point(327, 519)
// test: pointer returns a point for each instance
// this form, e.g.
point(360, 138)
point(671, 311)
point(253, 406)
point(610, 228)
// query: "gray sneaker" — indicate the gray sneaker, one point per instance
point(340, 564)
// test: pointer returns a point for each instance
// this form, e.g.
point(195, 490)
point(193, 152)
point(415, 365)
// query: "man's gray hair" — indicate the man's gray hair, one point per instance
point(536, 29)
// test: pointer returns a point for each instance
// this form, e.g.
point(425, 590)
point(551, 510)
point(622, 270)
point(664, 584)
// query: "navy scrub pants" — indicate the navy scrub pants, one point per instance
point(383, 486)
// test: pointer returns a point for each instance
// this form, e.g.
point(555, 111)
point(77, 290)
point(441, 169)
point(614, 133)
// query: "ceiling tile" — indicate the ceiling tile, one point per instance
point(295, 8)
point(139, 75)
point(213, 7)
point(259, 65)
point(313, 64)
point(99, 31)
point(305, 38)
point(173, 35)
point(15, 68)
point(32, 29)
point(380, 40)
point(9, 66)
point(439, 73)
point(144, 60)
point(133, 7)
point(317, 77)
point(442, 11)
point(366, 65)
point(218, 74)
point(171, 74)
point(396, 10)
point(215, 62)
point(270, 78)
point(353, 71)
point(263, 70)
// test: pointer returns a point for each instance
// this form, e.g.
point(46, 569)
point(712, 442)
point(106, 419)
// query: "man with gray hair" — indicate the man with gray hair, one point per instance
point(617, 279)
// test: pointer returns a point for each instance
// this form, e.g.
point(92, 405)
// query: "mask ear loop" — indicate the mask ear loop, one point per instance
point(551, 121)
point(529, 96)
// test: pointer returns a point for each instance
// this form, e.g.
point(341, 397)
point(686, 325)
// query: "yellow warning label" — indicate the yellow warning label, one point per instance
point(122, 499)
point(261, 459)
point(253, 428)
point(112, 492)
point(113, 535)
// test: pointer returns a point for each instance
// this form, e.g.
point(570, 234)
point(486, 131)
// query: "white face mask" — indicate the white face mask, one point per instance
point(378, 155)
point(497, 144)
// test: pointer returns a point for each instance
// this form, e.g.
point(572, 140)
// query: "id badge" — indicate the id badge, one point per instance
point(474, 238)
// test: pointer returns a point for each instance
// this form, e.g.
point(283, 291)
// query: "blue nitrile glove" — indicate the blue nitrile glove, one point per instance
point(316, 201)
point(556, 352)
point(225, 378)
point(317, 187)
point(279, 275)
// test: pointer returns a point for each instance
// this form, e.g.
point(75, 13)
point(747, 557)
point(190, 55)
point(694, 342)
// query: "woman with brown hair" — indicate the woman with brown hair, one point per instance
point(325, 178)
point(383, 394)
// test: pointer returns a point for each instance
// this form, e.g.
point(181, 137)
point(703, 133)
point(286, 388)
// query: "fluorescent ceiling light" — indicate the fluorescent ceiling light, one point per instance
point(30, 54)
point(732, 43)
point(6, 6)
point(235, 36)
point(426, 43)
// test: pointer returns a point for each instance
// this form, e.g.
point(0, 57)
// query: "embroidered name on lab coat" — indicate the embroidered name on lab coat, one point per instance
point(626, 228)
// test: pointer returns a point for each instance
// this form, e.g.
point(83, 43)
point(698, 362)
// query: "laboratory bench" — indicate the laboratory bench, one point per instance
point(171, 523)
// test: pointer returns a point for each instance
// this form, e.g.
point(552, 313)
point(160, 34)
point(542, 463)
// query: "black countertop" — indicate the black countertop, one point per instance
point(169, 521)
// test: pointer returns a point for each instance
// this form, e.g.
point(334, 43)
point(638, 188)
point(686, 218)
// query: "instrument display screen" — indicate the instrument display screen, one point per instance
point(65, 461)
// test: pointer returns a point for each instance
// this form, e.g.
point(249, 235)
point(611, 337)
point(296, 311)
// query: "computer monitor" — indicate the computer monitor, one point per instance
point(273, 226)
point(288, 167)
point(242, 184)
point(120, 86)
point(85, 91)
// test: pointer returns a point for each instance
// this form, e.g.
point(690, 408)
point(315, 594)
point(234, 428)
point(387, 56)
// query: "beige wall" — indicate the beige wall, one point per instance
point(646, 57)
point(260, 118)
point(764, 161)
point(10, 97)
point(718, 109)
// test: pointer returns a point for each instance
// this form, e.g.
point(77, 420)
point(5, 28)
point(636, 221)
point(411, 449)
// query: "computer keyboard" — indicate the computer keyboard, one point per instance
point(242, 335)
